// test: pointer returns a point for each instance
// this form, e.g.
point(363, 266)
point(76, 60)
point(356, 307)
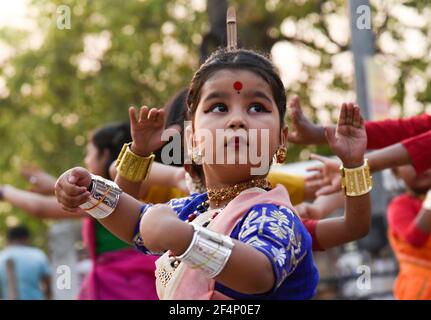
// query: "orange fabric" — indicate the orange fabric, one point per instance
point(414, 279)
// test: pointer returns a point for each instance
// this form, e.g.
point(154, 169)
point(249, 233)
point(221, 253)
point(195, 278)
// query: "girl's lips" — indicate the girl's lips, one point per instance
point(237, 141)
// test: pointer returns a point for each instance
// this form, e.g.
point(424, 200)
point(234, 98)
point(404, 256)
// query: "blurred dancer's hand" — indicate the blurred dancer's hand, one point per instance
point(326, 178)
point(41, 182)
point(305, 132)
point(306, 210)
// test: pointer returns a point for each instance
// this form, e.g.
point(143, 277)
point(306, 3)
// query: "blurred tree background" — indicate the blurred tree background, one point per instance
point(57, 85)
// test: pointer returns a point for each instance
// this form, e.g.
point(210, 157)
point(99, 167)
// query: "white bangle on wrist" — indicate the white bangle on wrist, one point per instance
point(104, 198)
point(208, 251)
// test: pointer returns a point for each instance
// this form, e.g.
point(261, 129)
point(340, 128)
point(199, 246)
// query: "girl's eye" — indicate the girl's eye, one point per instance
point(219, 107)
point(257, 107)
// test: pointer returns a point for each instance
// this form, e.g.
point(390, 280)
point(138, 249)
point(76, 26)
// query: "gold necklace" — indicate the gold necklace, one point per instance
point(228, 193)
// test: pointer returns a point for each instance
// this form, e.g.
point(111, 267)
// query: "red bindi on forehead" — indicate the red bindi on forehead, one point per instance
point(237, 86)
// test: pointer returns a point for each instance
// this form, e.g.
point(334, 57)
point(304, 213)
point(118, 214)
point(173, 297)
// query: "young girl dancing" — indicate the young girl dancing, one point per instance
point(242, 240)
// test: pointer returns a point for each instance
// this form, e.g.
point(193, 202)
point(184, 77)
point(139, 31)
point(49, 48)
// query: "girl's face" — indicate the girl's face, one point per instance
point(95, 160)
point(240, 103)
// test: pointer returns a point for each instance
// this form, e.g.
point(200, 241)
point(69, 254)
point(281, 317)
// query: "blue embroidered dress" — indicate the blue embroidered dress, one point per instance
point(273, 230)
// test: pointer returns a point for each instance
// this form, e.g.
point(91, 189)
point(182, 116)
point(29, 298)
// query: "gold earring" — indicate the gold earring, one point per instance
point(196, 156)
point(281, 154)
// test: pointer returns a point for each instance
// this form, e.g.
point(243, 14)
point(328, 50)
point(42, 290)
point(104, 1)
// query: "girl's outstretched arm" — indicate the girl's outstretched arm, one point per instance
point(247, 271)
point(37, 205)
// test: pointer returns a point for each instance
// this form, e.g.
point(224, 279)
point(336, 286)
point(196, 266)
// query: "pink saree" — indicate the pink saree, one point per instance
point(119, 275)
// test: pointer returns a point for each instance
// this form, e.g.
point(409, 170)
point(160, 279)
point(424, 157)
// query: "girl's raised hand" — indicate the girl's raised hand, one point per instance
point(349, 140)
point(146, 129)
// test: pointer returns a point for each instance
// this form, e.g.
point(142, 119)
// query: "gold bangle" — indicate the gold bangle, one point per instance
point(121, 155)
point(357, 181)
point(132, 167)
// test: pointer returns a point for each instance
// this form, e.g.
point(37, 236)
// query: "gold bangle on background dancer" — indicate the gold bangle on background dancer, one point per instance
point(132, 167)
point(356, 181)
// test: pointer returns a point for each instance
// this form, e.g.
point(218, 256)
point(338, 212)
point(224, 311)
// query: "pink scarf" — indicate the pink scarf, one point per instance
point(196, 285)
point(124, 274)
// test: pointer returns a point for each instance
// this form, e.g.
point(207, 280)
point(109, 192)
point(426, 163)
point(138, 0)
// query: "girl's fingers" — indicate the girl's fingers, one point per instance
point(153, 115)
point(313, 178)
point(143, 113)
point(69, 209)
point(318, 184)
point(132, 116)
point(161, 116)
point(330, 136)
point(343, 115)
point(72, 190)
point(73, 201)
point(320, 158)
point(315, 168)
point(296, 114)
point(361, 119)
point(295, 107)
point(356, 117)
point(82, 198)
point(349, 114)
point(327, 190)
